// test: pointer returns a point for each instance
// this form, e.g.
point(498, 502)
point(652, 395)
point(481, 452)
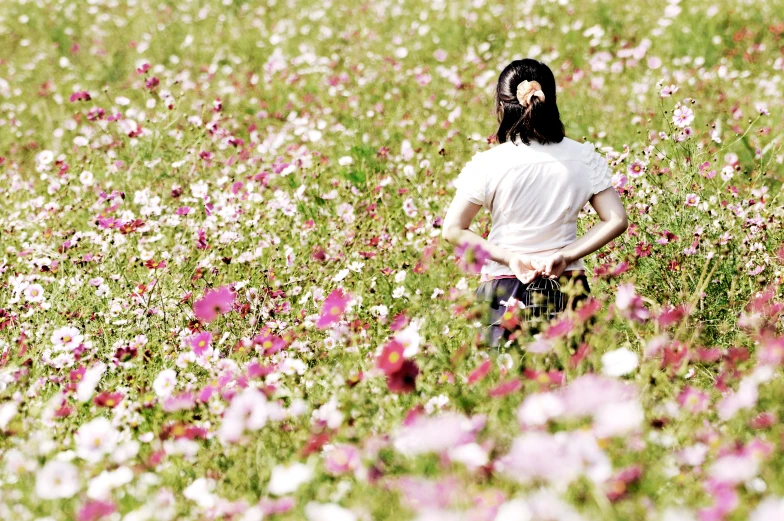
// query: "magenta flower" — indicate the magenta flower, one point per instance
point(404, 379)
point(471, 257)
point(332, 308)
point(214, 302)
point(95, 510)
point(693, 400)
point(201, 342)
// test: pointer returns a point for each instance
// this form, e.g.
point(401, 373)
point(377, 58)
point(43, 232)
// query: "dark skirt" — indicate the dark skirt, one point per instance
point(543, 298)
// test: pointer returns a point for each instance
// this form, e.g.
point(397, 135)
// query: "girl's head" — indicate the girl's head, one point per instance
point(538, 119)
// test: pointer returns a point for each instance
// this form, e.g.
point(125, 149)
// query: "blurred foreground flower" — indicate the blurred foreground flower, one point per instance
point(471, 257)
point(215, 302)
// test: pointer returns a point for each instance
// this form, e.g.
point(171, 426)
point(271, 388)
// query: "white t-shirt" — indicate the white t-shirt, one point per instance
point(534, 193)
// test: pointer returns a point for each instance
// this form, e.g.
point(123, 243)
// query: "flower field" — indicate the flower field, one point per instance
point(224, 293)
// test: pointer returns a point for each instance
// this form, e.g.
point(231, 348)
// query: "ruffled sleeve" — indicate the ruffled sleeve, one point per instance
point(599, 170)
point(471, 183)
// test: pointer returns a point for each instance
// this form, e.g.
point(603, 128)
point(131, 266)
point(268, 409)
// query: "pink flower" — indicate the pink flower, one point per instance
point(636, 169)
point(437, 433)
point(588, 394)
point(422, 494)
point(556, 459)
point(341, 459)
point(214, 302)
point(94, 510)
point(471, 257)
point(180, 402)
point(682, 116)
point(693, 400)
point(630, 304)
point(668, 91)
point(692, 199)
point(201, 342)
point(333, 307)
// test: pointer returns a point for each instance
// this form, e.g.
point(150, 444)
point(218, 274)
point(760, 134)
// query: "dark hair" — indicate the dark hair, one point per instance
point(539, 120)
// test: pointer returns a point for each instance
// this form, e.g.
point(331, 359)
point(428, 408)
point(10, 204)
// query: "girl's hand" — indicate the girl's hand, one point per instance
point(553, 266)
point(523, 268)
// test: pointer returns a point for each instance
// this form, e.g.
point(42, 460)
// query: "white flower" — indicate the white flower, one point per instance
point(619, 362)
point(57, 480)
point(165, 383)
point(287, 479)
point(769, 509)
point(677, 514)
point(101, 486)
point(539, 408)
point(7, 412)
point(472, 455)
point(328, 512)
point(86, 386)
point(248, 410)
point(514, 510)
point(345, 161)
point(617, 419)
point(66, 338)
point(86, 178)
point(200, 491)
point(410, 338)
point(95, 439)
point(340, 275)
point(44, 157)
point(34, 293)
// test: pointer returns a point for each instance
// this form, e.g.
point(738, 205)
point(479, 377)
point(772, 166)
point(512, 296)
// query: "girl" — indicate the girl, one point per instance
point(534, 183)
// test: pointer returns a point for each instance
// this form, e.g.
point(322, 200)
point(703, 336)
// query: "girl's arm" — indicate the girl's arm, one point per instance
point(612, 223)
point(455, 231)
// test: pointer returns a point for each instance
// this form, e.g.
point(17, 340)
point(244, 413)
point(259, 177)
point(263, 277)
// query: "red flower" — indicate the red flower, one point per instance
point(391, 359)
point(404, 379)
point(107, 399)
point(506, 388)
point(155, 265)
point(332, 308)
point(479, 373)
point(269, 344)
point(214, 302)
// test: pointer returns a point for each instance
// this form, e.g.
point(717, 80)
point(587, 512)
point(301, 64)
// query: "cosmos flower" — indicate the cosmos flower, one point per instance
point(404, 379)
point(619, 362)
point(286, 479)
point(165, 382)
point(391, 358)
point(34, 293)
point(66, 338)
point(200, 342)
point(682, 116)
point(214, 303)
point(332, 308)
point(57, 480)
point(341, 458)
point(95, 439)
